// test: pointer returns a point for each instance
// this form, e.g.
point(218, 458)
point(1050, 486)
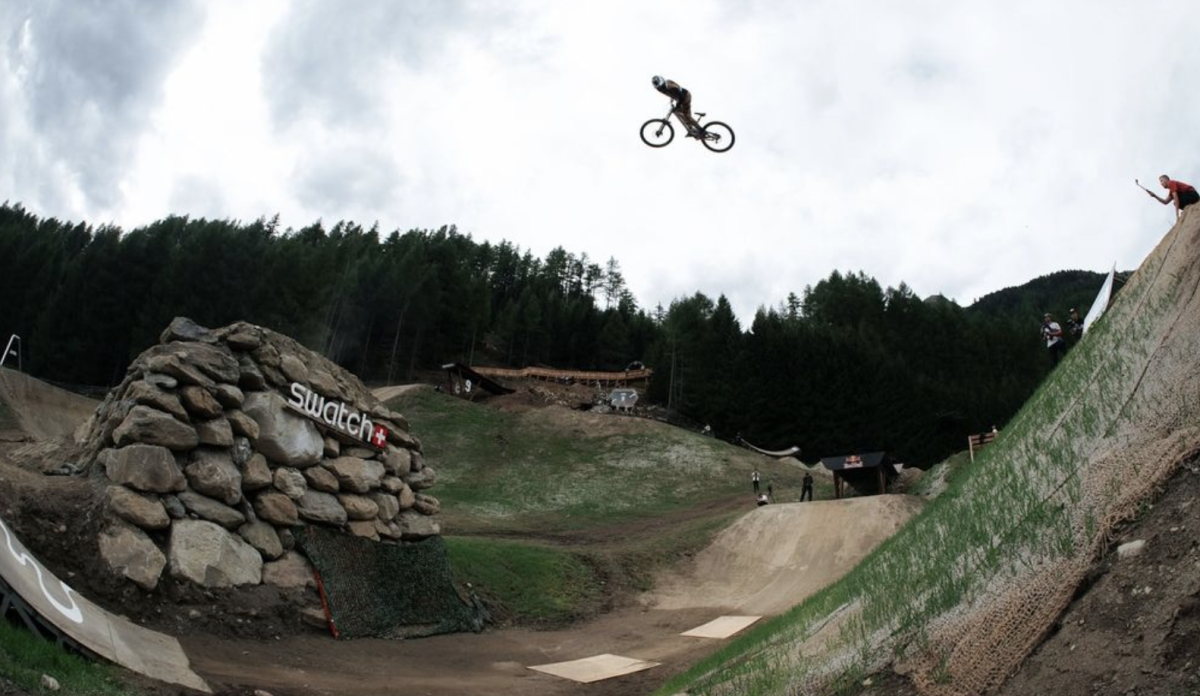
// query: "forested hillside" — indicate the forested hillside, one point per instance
point(843, 365)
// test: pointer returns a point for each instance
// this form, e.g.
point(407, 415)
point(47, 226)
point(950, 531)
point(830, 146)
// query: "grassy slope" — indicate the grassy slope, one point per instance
point(557, 479)
point(1018, 506)
point(529, 582)
point(554, 470)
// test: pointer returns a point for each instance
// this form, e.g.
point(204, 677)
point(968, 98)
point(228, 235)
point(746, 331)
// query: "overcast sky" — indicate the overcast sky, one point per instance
point(960, 147)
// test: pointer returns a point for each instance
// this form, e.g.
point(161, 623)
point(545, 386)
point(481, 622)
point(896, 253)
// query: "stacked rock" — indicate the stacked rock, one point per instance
point(218, 443)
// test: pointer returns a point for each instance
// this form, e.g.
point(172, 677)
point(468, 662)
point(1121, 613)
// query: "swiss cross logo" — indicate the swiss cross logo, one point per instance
point(379, 436)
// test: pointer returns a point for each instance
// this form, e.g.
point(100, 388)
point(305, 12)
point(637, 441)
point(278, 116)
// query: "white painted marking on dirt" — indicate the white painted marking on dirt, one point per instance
point(721, 627)
point(595, 668)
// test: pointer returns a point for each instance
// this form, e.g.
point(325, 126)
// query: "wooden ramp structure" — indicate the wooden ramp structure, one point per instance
point(467, 381)
point(46, 605)
point(607, 379)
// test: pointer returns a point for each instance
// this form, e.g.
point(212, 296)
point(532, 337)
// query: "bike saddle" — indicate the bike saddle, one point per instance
point(699, 115)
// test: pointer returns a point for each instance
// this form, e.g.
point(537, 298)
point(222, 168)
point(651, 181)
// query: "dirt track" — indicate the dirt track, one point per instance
point(770, 559)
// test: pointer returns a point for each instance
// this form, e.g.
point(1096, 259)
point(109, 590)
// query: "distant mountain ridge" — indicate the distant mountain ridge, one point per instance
point(1056, 293)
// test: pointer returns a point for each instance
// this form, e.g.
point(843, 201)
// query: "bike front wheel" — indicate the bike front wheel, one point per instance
point(718, 137)
point(657, 132)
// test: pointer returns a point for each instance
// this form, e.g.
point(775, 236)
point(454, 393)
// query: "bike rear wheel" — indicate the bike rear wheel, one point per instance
point(718, 136)
point(657, 132)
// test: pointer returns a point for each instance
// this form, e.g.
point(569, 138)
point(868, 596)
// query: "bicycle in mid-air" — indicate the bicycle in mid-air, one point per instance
point(715, 135)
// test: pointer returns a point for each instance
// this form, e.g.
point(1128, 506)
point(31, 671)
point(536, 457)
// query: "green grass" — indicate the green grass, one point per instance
point(24, 658)
point(523, 471)
point(572, 477)
point(519, 579)
point(941, 474)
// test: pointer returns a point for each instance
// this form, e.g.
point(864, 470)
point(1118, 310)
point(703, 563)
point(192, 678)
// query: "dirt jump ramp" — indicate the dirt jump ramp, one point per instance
point(41, 411)
point(138, 649)
point(775, 556)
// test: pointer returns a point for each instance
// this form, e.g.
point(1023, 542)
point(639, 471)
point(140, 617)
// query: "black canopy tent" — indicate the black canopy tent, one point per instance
point(869, 472)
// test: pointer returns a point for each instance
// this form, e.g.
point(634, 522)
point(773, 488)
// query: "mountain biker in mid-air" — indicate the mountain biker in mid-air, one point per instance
point(683, 101)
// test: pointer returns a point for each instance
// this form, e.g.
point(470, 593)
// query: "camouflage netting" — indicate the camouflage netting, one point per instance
point(383, 591)
point(1112, 424)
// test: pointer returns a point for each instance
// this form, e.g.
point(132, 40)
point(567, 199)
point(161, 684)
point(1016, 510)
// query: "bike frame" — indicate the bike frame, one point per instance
point(715, 135)
point(686, 126)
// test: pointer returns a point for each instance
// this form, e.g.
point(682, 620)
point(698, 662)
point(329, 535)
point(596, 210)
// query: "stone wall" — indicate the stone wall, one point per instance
point(208, 471)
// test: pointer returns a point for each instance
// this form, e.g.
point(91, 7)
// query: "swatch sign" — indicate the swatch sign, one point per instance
point(336, 415)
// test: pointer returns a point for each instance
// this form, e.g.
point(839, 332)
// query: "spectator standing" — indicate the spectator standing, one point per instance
point(1053, 334)
point(1074, 326)
point(806, 488)
point(754, 479)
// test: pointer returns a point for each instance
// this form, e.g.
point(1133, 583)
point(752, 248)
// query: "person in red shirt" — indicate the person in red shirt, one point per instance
point(1182, 194)
point(682, 97)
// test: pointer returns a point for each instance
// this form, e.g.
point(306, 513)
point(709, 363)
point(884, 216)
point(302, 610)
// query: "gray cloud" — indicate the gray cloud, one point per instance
point(349, 182)
point(324, 59)
point(87, 76)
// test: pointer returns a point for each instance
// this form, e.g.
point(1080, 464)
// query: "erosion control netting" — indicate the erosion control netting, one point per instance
point(1118, 421)
point(388, 590)
point(984, 574)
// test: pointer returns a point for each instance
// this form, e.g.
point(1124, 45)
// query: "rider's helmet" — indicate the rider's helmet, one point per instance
point(658, 81)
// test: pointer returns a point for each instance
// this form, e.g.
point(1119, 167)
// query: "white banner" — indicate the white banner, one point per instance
point(1101, 302)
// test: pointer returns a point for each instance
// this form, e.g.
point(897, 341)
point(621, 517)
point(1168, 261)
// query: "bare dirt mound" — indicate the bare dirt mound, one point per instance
point(42, 411)
point(1135, 626)
point(776, 556)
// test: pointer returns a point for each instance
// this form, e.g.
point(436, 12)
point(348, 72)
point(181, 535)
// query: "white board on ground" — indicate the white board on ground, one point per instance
point(595, 668)
point(135, 648)
point(721, 627)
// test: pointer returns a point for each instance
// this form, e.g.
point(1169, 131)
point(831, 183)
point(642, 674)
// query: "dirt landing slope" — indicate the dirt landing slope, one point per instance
point(42, 411)
point(386, 394)
point(774, 557)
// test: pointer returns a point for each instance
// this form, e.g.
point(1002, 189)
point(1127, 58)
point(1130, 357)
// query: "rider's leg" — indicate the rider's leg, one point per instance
point(685, 107)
